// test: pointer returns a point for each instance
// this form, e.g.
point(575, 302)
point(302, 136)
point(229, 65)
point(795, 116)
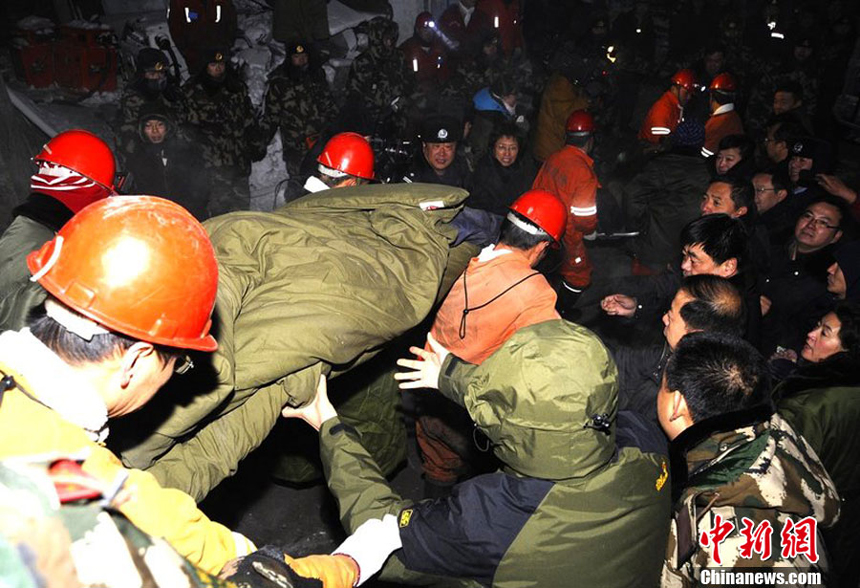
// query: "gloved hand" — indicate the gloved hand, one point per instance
point(335, 571)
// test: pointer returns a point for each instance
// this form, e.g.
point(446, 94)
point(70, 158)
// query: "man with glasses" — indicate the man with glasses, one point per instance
point(794, 293)
point(131, 285)
point(776, 211)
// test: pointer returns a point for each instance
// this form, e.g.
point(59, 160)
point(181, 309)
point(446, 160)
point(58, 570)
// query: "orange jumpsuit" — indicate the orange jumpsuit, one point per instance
point(719, 125)
point(569, 174)
point(662, 119)
point(485, 329)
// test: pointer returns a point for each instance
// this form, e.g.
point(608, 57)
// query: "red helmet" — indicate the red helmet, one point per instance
point(580, 121)
point(425, 21)
point(83, 152)
point(685, 78)
point(138, 265)
point(543, 209)
point(349, 154)
point(723, 83)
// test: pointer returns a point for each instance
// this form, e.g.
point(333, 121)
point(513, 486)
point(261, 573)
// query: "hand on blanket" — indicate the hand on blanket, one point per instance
point(317, 412)
point(427, 367)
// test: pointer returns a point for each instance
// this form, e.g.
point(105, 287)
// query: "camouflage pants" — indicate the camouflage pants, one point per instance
point(230, 191)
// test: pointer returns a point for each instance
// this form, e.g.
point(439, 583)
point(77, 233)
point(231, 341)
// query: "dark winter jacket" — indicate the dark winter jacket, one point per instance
point(822, 403)
point(583, 493)
point(640, 370)
point(172, 170)
point(659, 201)
point(494, 188)
point(797, 289)
point(455, 175)
point(36, 221)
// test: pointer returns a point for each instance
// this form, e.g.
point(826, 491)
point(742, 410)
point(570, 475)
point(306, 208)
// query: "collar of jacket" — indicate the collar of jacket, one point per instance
point(724, 109)
point(840, 370)
point(44, 209)
point(579, 152)
point(53, 383)
point(708, 442)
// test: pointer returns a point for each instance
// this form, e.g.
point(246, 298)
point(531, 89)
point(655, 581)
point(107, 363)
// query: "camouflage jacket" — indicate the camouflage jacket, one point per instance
point(300, 108)
point(223, 121)
point(472, 75)
point(749, 465)
point(379, 75)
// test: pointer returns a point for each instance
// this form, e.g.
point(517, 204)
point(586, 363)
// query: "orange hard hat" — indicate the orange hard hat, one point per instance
point(724, 83)
point(684, 78)
point(138, 265)
point(580, 121)
point(349, 154)
point(543, 209)
point(83, 152)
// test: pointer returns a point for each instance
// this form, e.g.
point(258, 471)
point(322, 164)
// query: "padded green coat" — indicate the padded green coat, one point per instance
point(313, 288)
point(603, 520)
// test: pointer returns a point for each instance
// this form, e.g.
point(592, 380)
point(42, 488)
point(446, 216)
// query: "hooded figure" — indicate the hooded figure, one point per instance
point(152, 84)
point(168, 166)
point(581, 483)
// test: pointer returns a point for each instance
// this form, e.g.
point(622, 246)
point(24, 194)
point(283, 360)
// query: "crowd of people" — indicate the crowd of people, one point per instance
point(643, 357)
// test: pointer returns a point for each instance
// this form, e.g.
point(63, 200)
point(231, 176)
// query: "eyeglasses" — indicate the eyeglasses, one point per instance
point(819, 223)
point(183, 365)
point(760, 190)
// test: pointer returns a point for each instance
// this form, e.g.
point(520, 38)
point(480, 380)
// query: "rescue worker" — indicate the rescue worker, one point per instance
point(76, 168)
point(152, 84)
point(734, 461)
point(196, 25)
point(724, 120)
point(346, 160)
point(131, 286)
point(378, 78)
point(576, 473)
point(440, 163)
point(569, 174)
point(222, 117)
point(299, 104)
point(665, 114)
point(505, 16)
point(425, 55)
point(499, 293)
point(465, 28)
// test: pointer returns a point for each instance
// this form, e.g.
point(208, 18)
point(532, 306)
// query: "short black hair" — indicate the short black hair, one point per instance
point(506, 129)
point(743, 192)
point(791, 87)
point(721, 237)
point(717, 306)
point(742, 143)
point(718, 374)
point(848, 313)
point(778, 178)
point(788, 131)
point(577, 139)
point(722, 96)
point(845, 218)
point(515, 237)
point(75, 350)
